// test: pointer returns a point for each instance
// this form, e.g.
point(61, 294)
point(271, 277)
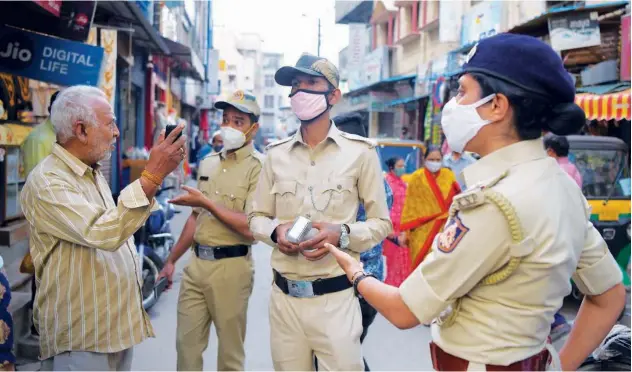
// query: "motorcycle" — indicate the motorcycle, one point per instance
point(154, 242)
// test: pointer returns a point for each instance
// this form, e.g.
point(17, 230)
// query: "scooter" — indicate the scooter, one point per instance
point(154, 242)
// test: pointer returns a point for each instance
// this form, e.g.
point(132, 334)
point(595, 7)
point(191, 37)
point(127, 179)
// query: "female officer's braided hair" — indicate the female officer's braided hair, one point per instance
point(533, 113)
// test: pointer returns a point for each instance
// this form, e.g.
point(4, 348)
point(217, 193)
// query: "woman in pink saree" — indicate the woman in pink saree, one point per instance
point(397, 257)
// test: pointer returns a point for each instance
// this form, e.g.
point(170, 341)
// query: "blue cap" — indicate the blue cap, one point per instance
point(524, 61)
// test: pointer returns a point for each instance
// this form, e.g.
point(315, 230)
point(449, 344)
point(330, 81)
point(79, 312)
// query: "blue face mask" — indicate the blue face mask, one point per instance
point(399, 171)
point(217, 148)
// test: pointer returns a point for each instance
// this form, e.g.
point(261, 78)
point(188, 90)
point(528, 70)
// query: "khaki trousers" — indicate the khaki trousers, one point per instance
point(327, 326)
point(214, 292)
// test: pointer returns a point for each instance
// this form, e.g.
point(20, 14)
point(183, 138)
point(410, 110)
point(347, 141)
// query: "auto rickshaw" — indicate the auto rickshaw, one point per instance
point(411, 151)
point(604, 164)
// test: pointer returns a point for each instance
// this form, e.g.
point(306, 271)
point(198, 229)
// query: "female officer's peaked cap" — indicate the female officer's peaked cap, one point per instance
point(524, 61)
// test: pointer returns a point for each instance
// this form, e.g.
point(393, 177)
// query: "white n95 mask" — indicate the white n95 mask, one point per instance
point(461, 123)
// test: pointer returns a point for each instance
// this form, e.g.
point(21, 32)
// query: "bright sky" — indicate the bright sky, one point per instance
point(283, 27)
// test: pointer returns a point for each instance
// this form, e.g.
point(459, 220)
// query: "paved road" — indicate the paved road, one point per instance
point(386, 347)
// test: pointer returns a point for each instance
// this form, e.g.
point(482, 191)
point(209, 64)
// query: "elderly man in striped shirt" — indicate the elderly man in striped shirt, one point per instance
point(88, 308)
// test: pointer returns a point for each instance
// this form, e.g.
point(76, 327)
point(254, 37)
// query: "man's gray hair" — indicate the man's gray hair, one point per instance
point(74, 104)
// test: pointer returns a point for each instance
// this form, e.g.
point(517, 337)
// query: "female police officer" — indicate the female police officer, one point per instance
point(502, 265)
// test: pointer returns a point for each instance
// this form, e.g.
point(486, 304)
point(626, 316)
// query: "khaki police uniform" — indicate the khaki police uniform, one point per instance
point(323, 184)
point(218, 280)
point(502, 264)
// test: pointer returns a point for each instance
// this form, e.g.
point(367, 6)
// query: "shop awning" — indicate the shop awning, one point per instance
point(605, 107)
point(13, 134)
point(377, 84)
point(403, 101)
point(188, 58)
point(539, 25)
point(128, 14)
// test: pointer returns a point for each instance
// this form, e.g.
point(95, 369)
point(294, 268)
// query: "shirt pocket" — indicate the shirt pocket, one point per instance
point(342, 195)
point(285, 198)
point(208, 188)
point(234, 197)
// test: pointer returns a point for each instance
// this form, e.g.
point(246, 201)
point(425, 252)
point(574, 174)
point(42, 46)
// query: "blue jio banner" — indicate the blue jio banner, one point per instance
point(49, 59)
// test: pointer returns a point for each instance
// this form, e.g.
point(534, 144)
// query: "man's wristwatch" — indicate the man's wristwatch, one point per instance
point(357, 281)
point(344, 237)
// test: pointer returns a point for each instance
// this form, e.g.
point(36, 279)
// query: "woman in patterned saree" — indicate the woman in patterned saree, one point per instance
point(428, 198)
point(397, 257)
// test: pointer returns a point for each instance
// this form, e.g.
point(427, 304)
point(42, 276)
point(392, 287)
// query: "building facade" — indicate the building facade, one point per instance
point(402, 55)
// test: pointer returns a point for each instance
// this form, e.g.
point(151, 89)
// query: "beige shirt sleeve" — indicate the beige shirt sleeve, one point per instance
point(366, 235)
point(261, 210)
point(477, 244)
point(597, 271)
point(64, 212)
point(252, 188)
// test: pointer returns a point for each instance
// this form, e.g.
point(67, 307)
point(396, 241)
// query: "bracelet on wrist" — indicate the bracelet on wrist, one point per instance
point(357, 281)
point(355, 275)
point(151, 178)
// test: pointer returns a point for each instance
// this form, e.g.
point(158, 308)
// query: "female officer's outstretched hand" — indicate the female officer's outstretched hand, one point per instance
point(350, 265)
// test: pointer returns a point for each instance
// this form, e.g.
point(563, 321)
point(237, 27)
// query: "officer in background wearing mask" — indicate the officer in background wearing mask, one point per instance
point(218, 281)
point(322, 174)
point(518, 234)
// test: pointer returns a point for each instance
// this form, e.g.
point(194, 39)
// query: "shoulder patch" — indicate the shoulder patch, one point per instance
point(279, 142)
point(355, 137)
point(452, 234)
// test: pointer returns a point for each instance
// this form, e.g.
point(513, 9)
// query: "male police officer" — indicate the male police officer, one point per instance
point(322, 174)
point(218, 281)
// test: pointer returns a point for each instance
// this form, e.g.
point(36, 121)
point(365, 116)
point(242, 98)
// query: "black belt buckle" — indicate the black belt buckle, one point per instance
point(217, 253)
point(308, 289)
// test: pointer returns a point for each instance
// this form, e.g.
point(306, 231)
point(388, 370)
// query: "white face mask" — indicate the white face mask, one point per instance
point(461, 123)
point(233, 138)
point(433, 166)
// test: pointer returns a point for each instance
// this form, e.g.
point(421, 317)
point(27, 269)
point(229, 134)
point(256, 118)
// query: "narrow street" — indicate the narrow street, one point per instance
point(386, 347)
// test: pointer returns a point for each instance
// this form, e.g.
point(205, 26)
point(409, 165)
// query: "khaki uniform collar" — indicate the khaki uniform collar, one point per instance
point(71, 161)
point(502, 160)
point(239, 154)
point(333, 134)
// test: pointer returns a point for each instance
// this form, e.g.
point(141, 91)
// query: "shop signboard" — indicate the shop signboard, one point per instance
point(358, 41)
point(481, 21)
point(376, 66)
point(575, 30)
point(212, 71)
point(76, 19)
point(450, 15)
point(625, 48)
point(49, 59)
point(52, 6)
point(424, 80)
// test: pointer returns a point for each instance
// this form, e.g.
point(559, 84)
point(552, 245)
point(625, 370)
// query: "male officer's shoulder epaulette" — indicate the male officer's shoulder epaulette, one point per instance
point(474, 196)
point(209, 158)
point(259, 156)
point(355, 137)
point(278, 142)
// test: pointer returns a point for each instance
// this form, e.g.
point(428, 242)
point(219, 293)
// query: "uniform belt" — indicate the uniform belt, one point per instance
point(209, 253)
point(305, 288)
point(443, 361)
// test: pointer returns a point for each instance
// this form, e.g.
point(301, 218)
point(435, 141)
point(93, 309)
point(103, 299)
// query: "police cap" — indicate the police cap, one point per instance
point(524, 61)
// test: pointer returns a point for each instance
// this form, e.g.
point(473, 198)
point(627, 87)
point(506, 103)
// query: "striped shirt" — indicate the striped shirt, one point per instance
point(86, 267)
